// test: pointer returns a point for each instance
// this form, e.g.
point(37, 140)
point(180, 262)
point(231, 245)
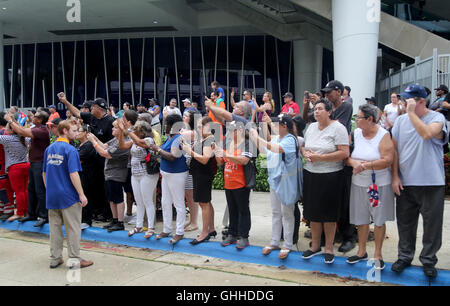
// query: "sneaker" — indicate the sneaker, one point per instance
point(328, 258)
point(84, 226)
point(229, 240)
point(107, 226)
point(308, 254)
point(127, 218)
point(399, 266)
point(429, 271)
point(354, 259)
point(132, 220)
point(101, 218)
point(242, 243)
point(116, 227)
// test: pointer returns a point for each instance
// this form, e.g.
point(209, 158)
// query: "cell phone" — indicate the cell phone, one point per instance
point(88, 129)
point(59, 95)
point(307, 95)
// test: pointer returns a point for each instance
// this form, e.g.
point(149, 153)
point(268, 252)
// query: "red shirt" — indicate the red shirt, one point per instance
point(291, 109)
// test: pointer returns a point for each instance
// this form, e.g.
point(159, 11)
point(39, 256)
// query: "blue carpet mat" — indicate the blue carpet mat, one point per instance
point(412, 276)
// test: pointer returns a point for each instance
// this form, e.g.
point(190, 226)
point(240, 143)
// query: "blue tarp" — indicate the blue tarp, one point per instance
point(411, 276)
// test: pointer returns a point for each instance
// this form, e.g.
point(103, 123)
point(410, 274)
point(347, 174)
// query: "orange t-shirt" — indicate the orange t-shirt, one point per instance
point(219, 103)
point(53, 116)
point(234, 175)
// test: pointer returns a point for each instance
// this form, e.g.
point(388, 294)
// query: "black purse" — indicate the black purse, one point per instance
point(152, 162)
point(250, 173)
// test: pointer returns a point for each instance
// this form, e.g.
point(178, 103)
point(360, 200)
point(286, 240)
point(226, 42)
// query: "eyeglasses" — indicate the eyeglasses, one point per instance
point(360, 118)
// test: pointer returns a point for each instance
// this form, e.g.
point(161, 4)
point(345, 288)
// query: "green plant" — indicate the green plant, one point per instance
point(261, 176)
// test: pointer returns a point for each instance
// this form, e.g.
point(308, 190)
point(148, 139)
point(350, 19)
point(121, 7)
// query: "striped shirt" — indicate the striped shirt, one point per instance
point(15, 151)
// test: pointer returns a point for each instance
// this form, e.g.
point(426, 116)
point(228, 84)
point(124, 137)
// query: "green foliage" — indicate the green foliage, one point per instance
point(261, 176)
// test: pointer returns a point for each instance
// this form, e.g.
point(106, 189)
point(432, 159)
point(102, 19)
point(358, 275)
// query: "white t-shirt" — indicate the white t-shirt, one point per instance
point(391, 112)
point(172, 111)
point(323, 142)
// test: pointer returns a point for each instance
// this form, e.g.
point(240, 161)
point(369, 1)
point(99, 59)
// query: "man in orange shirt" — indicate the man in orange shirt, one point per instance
point(53, 113)
point(219, 102)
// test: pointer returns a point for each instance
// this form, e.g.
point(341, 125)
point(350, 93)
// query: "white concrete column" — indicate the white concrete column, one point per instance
point(2, 70)
point(307, 68)
point(355, 46)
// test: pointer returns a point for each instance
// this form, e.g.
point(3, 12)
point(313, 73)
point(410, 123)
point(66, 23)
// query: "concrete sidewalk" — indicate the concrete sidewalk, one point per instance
point(260, 236)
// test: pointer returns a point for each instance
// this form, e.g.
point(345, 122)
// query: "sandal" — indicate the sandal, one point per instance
point(189, 228)
point(134, 231)
point(161, 235)
point(175, 239)
point(268, 249)
point(149, 234)
point(284, 253)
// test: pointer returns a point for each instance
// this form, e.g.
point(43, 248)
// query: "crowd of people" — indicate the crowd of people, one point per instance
point(97, 162)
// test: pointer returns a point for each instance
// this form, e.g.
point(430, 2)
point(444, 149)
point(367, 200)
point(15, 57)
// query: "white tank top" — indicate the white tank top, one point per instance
point(369, 150)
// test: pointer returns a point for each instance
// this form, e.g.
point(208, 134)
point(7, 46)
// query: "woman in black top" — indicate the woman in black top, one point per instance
point(201, 168)
point(88, 159)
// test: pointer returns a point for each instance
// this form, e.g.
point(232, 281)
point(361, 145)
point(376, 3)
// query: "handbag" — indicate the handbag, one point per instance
point(152, 162)
point(250, 173)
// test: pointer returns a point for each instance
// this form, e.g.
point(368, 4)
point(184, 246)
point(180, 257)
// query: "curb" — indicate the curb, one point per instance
point(411, 276)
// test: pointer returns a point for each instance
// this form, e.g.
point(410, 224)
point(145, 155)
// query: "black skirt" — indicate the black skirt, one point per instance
point(322, 196)
point(202, 187)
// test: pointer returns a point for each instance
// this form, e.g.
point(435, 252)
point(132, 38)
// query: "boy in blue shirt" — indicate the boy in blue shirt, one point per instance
point(64, 196)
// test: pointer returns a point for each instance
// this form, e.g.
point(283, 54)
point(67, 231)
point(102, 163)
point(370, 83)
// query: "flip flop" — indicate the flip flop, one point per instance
point(284, 253)
point(268, 249)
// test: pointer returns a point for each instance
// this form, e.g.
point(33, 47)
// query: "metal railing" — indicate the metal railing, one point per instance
point(430, 72)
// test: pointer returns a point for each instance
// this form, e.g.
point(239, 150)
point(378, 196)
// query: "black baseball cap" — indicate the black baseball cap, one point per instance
point(86, 104)
point(288, 95)
point(153, 100)
point(443, 88)
point(54, 122)
point(333, 85)
point(101, 103)
point(372, 99)
point(284, 119)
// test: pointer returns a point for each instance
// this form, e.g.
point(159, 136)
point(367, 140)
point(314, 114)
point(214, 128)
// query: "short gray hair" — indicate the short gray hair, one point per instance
point(144, 128)
point(247, 108)
point(369, 110)
point(145, 117)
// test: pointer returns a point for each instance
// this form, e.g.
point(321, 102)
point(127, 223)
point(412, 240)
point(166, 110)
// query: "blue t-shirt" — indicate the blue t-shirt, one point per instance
point(60, 159)
point(191, 108)
point(178, 165)
point(220, 90)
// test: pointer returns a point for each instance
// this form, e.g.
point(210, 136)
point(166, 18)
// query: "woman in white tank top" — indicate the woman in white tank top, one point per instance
point(373, 154)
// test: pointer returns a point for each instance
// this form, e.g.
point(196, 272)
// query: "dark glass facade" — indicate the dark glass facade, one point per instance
point(134, 70)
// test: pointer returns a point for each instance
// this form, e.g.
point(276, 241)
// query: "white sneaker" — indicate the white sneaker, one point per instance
point(84, 226)
point(127, 218)
point(132, 220)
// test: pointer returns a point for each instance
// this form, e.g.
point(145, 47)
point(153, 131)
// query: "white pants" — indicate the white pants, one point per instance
point(143, 188)
point(282, 219)
point(172, 186)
